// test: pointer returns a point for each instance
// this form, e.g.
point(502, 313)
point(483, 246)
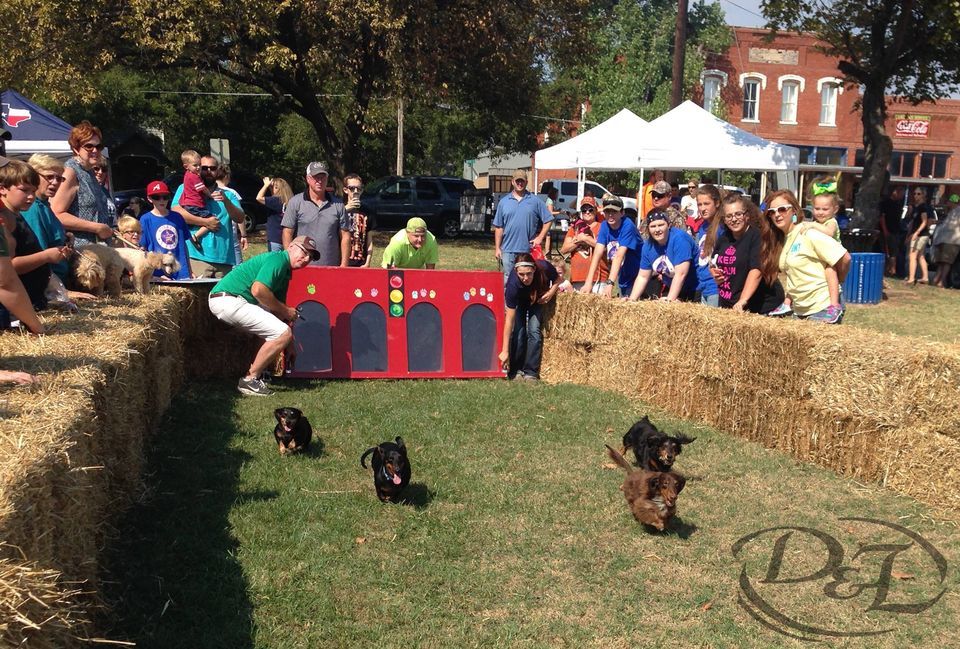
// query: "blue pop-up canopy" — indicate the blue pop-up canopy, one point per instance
point(33, 129)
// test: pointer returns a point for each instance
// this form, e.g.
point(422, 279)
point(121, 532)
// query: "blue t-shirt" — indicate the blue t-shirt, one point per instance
point(165, 234)
point(663, 259)
point(706, 285)
point(215, 247)
point(49, 231)
point(274, 231)
point(626, 236)
point(520, 220)
point(515, 293)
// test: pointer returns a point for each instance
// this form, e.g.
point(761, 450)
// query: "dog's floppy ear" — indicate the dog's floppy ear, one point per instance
point(681, 482)
point(399, 441)
point(683, 439)
point(653, 483)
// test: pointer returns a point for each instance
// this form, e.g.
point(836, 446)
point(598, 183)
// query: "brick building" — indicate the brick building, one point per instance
point(788, 92)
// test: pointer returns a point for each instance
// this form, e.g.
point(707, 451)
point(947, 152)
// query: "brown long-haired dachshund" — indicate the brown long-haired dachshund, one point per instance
point(651, 495)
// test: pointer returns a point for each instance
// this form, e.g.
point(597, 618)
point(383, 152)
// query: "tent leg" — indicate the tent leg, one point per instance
point(536, 185)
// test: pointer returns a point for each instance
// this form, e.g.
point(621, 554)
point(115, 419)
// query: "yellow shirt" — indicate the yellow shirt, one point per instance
point(802, 260)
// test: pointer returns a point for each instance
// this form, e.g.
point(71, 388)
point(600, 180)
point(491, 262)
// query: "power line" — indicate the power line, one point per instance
point(742, 8)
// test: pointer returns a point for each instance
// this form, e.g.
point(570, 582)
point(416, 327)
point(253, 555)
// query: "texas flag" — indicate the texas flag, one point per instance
point(12, 117)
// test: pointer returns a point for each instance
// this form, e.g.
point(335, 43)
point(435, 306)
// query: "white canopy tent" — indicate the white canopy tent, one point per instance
point(688, 137)
point(601, 147)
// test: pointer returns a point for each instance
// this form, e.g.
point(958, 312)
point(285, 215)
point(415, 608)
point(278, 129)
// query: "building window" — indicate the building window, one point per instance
point(713, 81)
point(788, 109)
point(828, 105)
point(828, 155)
point(751, 100)
point(903, 163)
point(829, 88)
point(933, 165)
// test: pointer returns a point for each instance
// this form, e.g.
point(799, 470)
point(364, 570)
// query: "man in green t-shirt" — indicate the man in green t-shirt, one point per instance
point(412, 248)
point(251, 297)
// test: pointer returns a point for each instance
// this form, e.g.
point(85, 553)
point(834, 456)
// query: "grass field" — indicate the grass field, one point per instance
point(515, 533)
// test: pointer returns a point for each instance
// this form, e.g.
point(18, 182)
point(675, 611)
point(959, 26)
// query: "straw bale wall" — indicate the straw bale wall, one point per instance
point(72, 449)
point(866, 405)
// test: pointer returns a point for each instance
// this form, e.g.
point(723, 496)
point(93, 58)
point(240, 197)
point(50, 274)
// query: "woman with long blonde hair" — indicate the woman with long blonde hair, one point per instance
point(276, 202)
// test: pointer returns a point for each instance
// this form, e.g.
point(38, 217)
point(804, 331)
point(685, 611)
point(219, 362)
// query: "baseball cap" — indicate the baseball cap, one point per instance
point(589, 200)
point(416, 223)
point(954, 198)
point(5, 134)
point(315, 168)
point(519, 174)
point(662, 187)
point(307, 245)
point(157, 187)
point(657, 215)
point(612, 204)
point(4, 161)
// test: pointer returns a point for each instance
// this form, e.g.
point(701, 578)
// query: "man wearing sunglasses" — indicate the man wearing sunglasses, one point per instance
point(522, 221)
point(214, 256)
point(361, 243)
point(319, 214)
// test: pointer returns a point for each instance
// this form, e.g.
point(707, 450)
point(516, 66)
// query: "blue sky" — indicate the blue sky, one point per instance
point(743, 13)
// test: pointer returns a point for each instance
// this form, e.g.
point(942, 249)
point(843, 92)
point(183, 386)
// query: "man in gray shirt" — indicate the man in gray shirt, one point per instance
point(318, 214)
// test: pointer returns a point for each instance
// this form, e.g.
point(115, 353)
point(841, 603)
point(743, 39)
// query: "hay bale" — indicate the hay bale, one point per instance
point(836, 396)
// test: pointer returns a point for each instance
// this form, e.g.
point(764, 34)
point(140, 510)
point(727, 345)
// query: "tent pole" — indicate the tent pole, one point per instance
point(536, 185)
point(763, 185)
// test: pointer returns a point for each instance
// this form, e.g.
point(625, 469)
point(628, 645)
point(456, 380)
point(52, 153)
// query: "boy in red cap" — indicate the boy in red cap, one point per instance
point(165, 231)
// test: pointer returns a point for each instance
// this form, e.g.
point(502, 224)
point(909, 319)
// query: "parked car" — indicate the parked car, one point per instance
point(389, 202)
point(567, 195)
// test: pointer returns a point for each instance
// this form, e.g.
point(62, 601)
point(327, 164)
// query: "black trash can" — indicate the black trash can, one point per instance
point(859, 240)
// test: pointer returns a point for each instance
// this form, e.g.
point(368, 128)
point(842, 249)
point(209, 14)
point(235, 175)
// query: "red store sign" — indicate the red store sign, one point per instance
point(912, 125)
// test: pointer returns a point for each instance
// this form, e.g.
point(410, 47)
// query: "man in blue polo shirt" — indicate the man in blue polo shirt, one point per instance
point(515, 226)
point(214, 257)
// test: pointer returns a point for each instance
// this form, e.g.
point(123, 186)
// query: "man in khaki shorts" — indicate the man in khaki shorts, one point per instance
point(252, 297)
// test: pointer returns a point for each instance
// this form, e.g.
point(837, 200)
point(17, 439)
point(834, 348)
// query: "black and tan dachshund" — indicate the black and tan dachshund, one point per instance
point(292, 432)
point(654, 449)
point(391, 468)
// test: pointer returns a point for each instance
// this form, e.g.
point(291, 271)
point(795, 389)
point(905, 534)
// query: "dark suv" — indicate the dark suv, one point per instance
point(391, 201)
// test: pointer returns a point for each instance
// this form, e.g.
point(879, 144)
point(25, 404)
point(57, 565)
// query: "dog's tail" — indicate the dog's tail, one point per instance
point(365, 454)
point(619, 459)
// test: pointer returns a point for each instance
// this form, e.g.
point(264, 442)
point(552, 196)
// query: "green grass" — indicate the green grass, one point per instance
point(516, 535)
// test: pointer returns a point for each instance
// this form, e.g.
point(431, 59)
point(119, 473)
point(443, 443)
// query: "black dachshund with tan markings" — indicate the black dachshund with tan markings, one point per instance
point(391, 468)
point(654, 449)
point(292, 432)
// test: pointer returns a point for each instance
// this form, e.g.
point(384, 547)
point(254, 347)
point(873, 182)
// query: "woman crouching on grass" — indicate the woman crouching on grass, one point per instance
point(745, 283)
point(806, 259)
point(531, 284)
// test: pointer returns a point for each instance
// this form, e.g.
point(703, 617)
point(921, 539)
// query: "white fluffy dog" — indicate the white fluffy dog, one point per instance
point(97, 268)
point(142, 264)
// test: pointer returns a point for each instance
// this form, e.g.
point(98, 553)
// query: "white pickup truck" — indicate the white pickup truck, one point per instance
point(567, 195)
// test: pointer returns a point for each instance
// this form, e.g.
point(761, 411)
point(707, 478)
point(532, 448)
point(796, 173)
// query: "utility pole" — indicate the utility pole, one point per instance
point(679, 53)
point(400, 136)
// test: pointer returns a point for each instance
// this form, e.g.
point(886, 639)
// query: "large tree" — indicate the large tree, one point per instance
point(907, 48)
point(335, 61)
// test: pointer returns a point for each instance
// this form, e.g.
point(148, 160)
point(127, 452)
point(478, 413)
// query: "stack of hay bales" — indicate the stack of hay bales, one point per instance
point(867, 405)
point(216, 349)
point(71, 451)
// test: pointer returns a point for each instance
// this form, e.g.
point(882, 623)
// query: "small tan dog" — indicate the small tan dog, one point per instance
point(142, 264)
point(96, 268)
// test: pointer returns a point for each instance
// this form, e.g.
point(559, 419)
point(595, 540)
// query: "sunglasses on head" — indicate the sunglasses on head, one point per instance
point(783, 209)
point(209, 168)
point(89, 146)
point(657, 195)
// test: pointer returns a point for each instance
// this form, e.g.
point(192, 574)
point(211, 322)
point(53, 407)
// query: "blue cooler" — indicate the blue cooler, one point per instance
point(864, 282)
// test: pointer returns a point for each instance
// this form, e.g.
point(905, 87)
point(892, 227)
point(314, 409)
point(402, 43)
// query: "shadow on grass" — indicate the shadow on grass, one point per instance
point(171, 574)
point(418, 495)
point(680, 528)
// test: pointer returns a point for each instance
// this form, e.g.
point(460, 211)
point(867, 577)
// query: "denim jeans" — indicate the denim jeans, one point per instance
point(507, 259)
point(273, 246)
point(526, 341)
